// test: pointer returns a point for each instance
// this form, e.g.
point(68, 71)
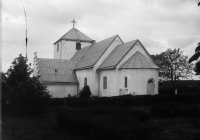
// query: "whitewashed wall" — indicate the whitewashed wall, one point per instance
point(112, 88)
point(86, 73)
point(96, 83)
point(67, 49)
point(137, 80)
point(136, 84)
point(60, 91)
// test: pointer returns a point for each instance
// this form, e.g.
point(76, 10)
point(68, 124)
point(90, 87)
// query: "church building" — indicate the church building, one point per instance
point(110, 67)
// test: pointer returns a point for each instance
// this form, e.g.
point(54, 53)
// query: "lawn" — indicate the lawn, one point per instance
point(44, 127)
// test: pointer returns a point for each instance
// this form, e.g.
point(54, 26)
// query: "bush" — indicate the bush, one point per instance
point(85, 92)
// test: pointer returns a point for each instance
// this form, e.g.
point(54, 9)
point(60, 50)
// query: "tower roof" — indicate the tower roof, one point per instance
point(75, 35)
point(139, 61)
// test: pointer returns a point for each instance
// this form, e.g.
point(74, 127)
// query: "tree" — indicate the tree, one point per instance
point(21, 91)
point(173, 65)
point(197, 68)
point(196, 56)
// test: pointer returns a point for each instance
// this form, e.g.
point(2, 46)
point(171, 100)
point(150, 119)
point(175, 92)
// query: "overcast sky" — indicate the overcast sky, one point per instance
point(158, 24)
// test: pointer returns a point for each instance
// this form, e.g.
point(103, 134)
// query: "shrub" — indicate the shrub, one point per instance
point(85, 92)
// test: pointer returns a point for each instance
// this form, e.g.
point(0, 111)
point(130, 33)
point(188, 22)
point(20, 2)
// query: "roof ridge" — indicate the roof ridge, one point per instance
point(75, 33)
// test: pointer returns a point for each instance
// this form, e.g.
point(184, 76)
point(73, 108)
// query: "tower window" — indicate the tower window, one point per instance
point(57, 47)
point(85, 81)
point(104, 82)
point(125, 82)
point(78, 46)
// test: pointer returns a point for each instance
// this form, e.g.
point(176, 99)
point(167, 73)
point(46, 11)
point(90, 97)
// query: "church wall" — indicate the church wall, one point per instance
point(137, 80)
point(67, 49)
point(89, 74)
point(60, 91)
point(112, 88)
point(96, 83)
point(137, 47)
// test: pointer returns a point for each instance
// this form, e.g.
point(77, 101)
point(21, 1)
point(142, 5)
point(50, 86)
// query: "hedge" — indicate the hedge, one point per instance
point(124, 101)
point(105, 123)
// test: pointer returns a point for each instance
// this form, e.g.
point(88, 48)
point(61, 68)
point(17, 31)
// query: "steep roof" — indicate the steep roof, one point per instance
point(94, 53)
point(75, 35)
point(117, 54)
point(80, 53)
point(56, 70)
point(139, 61)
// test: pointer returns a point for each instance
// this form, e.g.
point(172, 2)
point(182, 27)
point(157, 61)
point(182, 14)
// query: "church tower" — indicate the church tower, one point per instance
point(70, 43)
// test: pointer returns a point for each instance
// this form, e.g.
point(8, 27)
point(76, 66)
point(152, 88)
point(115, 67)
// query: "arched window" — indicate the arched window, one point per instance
point(78, 46)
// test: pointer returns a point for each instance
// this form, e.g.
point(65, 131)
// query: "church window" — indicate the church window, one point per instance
point(85, 81)
point(56, 71)
point(125, 82)
point(78, 46)
point(104, 82)
point(57, 47)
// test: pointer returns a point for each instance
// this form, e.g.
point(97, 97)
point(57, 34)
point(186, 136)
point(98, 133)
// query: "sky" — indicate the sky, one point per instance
point(158, 24)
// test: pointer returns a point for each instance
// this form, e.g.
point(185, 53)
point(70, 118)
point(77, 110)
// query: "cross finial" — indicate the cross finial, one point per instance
point(73, 22)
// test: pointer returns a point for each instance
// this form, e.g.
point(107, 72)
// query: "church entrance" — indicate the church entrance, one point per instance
point(150, 87)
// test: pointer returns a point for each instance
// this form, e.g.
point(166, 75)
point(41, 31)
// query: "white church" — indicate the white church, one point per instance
point(110, 67)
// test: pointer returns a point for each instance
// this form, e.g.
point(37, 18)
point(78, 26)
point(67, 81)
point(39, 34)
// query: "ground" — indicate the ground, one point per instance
point(44, 127)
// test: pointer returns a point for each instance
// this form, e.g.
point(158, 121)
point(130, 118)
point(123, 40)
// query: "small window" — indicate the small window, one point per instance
point(104, 82)
point(78, 46)
point(85, 81)
point(125, 82)
point(56, 71)
point(57, 47)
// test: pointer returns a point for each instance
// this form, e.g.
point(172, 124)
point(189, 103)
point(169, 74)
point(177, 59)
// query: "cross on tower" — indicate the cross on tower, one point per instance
point(73, 22)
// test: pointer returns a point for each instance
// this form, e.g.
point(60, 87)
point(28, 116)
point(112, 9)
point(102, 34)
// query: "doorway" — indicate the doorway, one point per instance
point(151, 87)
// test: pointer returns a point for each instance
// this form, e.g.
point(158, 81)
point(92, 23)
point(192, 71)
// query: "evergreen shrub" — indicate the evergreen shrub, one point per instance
point(85, 92)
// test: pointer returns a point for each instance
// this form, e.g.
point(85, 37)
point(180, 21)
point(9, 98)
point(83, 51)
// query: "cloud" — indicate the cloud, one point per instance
point(181, 42)
point(158, 24)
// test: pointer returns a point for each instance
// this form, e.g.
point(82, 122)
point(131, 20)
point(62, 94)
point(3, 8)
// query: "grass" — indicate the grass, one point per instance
point(44, 127)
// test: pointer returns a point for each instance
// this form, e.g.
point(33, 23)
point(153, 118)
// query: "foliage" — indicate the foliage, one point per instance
point(173, 65)
point(196, 56)
point(197, 68)
point(21, 92)
point(85, 92)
